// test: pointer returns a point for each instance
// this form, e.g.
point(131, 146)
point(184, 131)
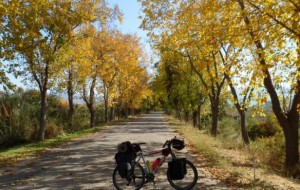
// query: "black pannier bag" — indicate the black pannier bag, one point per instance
point(177, 169)
point(124, 157)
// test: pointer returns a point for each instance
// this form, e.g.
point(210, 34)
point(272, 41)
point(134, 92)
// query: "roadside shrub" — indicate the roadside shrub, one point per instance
point(268, 128)
point(19, 117)
point(53, 129)
point(19, 112)
point(270, 151)
point(57, 110)
point(81, 118)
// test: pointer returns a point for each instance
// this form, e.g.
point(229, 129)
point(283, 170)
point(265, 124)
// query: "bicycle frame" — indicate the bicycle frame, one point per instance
point(141, 156)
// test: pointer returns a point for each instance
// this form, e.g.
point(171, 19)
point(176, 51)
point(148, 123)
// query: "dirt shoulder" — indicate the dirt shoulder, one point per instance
point(238, 167)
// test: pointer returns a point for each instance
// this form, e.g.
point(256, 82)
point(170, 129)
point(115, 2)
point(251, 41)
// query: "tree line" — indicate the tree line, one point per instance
point(68, 47)
point(210, 49)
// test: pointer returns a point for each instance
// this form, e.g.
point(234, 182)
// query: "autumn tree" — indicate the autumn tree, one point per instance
point(177, 81)
point(109, 48)
point(34, 31)
point(70, 63)
point(277, 46)
point(132, 81)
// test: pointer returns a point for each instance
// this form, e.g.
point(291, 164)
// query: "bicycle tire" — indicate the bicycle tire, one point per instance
point(191, 177)
point(137, 172)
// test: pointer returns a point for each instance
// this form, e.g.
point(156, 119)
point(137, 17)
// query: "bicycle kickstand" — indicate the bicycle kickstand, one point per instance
point(154, 185)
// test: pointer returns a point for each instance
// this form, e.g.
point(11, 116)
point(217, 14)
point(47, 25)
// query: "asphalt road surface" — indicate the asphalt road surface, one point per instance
point(88, 163)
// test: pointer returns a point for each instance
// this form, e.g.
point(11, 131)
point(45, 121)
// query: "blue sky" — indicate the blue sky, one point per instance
point(132, 10)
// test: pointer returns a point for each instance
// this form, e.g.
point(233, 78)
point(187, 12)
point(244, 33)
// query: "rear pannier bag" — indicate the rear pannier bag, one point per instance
point(124, 158)
point(122, 169)
point(177, 169)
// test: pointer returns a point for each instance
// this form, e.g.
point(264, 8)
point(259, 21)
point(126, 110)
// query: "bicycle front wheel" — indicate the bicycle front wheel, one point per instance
point(134, 180)
point(189, 180)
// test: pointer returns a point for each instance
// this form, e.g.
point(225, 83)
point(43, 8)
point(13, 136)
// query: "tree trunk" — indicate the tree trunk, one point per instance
point(89, 101)
point(199, 126)
point(92, 116)
point(112, 114)
point(118, 112)
point(70, 92)
point(195, 118)
point(186, 116)
point(105, 104)
point(105, 110)
point(43, 115)
point(291, 144)
point(241, 110)
point(243, 127)
point(215, 116)
point(126, 111)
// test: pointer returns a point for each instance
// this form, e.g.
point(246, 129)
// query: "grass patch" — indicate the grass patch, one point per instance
point(203, 142)
point(11, 155)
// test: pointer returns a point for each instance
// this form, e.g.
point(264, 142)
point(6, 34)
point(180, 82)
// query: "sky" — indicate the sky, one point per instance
point(131, 10)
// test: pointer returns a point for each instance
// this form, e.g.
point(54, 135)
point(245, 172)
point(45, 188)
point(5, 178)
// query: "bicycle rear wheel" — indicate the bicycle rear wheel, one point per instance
point(189, 180)
point(135, 180)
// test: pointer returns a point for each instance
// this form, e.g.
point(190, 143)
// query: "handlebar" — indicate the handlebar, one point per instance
point(168, 143)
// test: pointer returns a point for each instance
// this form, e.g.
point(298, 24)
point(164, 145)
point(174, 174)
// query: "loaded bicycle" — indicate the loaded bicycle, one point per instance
point(133, 170)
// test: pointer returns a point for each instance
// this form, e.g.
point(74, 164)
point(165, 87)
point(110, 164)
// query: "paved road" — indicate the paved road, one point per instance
point(88, 163)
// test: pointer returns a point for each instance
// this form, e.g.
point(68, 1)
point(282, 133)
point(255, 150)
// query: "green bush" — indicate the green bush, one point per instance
point(19, 117)
point(53, 129)
point(267, 128)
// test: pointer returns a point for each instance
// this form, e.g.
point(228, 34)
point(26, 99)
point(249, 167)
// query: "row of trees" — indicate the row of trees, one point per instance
point(70, 47)
point(249, 47)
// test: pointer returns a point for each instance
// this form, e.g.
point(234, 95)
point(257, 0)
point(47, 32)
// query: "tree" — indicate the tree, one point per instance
point(177, 81)
point(132, 81)
point(34, 31)
point(71, 61)
point(288, 119)
point(109, 48)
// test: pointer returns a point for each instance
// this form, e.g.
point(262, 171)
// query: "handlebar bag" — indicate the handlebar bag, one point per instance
point(177, 169)
point(178, 144)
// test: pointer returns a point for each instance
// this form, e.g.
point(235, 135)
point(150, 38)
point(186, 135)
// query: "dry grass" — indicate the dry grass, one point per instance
point(231, 161)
